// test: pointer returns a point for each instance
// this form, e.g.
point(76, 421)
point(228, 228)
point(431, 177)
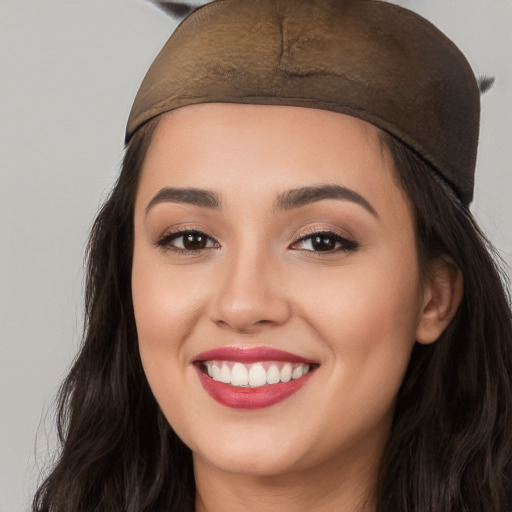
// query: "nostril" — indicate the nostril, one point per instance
point(247, 326)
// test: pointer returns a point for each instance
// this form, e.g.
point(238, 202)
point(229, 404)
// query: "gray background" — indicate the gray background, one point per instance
point(69, 71)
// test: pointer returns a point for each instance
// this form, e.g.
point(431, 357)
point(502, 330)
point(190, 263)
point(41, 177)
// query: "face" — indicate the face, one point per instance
point(275, 286)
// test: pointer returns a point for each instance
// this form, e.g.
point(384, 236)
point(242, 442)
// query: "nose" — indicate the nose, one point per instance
point(251, 296)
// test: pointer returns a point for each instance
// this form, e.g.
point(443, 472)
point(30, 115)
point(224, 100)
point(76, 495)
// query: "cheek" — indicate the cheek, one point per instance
point(165, 303)
point(367, 314)
point(366, 317)
point(165, 309)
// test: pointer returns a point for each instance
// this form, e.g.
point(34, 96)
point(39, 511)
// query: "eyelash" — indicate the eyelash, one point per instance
point(344, 244)
point(166, 241)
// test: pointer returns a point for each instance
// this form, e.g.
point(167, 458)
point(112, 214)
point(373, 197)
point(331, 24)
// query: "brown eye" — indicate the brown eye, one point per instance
point(325, 242)
point(194, 241)
point(187, 241)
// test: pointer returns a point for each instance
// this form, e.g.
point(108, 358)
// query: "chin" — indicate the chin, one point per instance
point(250, 460)
point(250, 451)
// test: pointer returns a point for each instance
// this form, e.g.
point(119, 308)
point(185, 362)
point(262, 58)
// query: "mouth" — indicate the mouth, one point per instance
point(256, 375)
point(252, 378)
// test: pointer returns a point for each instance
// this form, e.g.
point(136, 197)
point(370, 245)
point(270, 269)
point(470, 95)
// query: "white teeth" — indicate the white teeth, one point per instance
point(225, 374)
point(286, 373)
point(256, 374)
point(239, 375)
point(273, 376)
point(297, 373)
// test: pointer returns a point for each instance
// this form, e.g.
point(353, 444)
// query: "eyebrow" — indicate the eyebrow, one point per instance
point(193, 196)
point(298, 197)
point(294, 198)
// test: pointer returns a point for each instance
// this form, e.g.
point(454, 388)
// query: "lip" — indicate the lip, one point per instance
point(251, 355)
point(251, 398)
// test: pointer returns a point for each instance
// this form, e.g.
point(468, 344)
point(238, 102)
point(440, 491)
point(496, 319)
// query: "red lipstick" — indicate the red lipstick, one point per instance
point(251, 355)
point(247, 397)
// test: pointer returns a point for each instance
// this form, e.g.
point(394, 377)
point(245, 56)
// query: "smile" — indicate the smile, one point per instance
point(252, 378)
point(255, 375)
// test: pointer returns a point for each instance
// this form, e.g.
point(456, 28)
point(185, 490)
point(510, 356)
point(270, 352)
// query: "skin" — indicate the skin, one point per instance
point(258, 282)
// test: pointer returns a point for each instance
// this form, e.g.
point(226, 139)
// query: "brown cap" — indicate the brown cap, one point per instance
point(366, 58)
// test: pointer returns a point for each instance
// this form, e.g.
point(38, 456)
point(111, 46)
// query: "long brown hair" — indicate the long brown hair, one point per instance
point(451, 444)
point(450, 447)
point(118, 451)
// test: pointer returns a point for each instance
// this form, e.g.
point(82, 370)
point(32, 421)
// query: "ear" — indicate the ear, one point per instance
point(443, 293)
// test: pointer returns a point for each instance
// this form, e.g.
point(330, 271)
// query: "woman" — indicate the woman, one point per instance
point(289, 305)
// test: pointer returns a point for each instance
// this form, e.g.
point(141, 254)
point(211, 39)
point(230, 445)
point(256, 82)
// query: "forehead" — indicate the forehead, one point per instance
point(238, 149)
point(262, 121)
